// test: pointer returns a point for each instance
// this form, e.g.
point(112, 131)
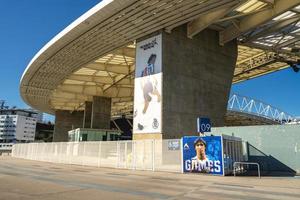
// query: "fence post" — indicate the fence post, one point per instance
point(59, 151)
point(83, 154)
point(36, 151)
point(31, 152)
point(134, 155)
point(43, 152)
point(153, 155)
point(118, 155)
point(70, 147)
point(99, 154)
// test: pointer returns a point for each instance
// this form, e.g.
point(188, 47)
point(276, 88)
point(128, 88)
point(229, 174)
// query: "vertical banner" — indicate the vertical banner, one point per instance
point(148, 86)
point(202, 154)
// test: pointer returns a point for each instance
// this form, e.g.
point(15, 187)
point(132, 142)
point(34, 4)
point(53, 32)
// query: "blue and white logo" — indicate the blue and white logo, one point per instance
point(186, 146)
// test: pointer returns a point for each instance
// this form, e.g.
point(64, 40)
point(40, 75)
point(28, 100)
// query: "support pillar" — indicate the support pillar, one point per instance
point(101, 113)
point(197, 77)
point(65, 121)
point(192, 76)
point(87, 117)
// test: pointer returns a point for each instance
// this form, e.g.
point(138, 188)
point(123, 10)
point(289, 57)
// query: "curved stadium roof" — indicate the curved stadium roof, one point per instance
point(95, 55)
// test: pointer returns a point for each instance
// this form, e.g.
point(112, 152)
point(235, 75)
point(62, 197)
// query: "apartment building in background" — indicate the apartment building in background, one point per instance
point(17, 125)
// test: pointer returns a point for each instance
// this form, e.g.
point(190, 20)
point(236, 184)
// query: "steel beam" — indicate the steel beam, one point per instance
point(274, 28)
point(126, 51)
point(90, 78)
point(289, 42)
point(256, 20)
point(268, 1)
point(202, 22)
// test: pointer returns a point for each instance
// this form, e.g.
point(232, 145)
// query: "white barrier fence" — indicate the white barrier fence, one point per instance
point(6, 146)
point(156, 155)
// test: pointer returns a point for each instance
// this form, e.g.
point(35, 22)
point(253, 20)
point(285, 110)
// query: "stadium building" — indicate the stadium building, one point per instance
point(165, 63)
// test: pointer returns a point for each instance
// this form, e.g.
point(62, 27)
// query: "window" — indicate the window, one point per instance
point(84, 137)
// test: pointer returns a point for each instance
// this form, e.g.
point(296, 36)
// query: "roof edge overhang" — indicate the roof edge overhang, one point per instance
point(101, 11)
point(54, 60)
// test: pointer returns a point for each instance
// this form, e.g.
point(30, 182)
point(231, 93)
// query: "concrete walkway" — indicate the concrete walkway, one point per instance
point(32, 180)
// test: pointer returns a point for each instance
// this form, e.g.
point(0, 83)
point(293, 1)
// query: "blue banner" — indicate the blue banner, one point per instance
point(202, 154)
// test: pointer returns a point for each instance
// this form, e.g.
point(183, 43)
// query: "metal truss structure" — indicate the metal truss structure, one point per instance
point(261, 63)
point(254, 107)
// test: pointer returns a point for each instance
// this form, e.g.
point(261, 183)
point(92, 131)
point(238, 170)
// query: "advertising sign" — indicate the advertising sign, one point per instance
point(148, 88)
point(202, 154)
point(174, 145)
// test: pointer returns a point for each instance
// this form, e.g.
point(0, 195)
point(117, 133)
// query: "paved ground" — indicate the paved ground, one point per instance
point(24, 180)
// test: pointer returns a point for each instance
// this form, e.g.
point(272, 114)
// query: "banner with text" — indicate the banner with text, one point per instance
point(202, 154)
point(148, 86)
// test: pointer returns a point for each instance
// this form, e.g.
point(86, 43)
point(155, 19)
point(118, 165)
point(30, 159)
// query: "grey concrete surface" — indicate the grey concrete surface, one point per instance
point(65, 121)
point(87, 118)
point(24, 179)
point(96, 115)
point(197, 76)
point(277, 146)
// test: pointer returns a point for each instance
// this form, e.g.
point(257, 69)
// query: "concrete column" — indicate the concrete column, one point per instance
point(197, 77)
point(196, 80)
point(65, 121)
point(87, 117)
point(101, 113)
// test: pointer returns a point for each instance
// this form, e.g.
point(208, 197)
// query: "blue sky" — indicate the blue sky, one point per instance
point(279, 89)
point(27, 25)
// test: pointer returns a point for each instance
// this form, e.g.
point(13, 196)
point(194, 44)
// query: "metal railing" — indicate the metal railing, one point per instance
point(254, 107)
point(245, 163)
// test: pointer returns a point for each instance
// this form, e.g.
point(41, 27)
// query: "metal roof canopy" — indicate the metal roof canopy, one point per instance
point(94, 56)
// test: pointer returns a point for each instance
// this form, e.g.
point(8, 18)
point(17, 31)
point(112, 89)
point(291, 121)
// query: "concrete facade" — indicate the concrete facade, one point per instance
point(101, 113)
point(96, 115)
point(65, 121)
point(197, 77)
point(275, 147)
